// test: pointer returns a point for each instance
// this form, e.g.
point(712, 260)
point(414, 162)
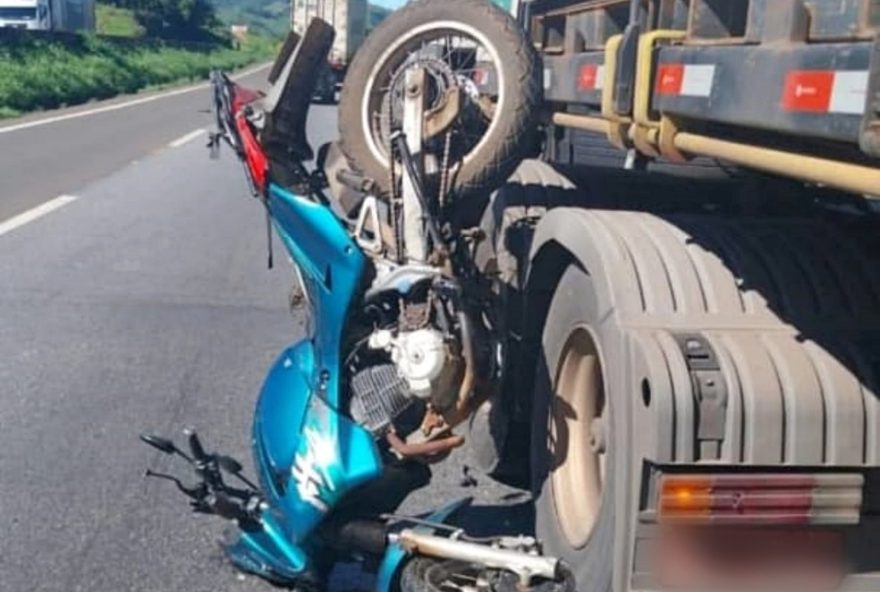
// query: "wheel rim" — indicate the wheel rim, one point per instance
point(374, 101)
point(576, 438)
point(453, 576)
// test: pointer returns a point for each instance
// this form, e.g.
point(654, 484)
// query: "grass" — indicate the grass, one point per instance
point(119, 22)
point(38, 72)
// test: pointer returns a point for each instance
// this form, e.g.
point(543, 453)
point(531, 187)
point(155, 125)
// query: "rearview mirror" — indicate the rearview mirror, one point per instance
point(162, 444)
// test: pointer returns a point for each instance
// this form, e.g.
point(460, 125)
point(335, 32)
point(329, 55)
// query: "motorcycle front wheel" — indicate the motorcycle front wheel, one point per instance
point(469, 47)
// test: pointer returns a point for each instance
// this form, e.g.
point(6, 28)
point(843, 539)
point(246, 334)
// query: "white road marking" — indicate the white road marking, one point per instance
point(187, 138)
point(35, 213)
point(116, 106)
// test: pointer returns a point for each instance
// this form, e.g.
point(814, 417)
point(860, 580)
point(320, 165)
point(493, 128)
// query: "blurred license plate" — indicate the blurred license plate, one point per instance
point(750, 559)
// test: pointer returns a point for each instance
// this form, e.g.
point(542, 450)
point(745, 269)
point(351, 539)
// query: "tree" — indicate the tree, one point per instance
point(179, 19)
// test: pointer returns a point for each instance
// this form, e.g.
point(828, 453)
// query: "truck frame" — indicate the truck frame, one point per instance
point(690, 281)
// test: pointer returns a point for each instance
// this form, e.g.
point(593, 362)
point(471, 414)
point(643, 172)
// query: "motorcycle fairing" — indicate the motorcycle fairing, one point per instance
point(331, 266)
point(308, 455)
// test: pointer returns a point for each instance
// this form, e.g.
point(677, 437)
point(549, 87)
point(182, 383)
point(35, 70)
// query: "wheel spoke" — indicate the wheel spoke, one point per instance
point(449, 56)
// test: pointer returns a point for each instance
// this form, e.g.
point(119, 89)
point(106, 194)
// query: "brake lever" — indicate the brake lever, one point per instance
point(195, 493)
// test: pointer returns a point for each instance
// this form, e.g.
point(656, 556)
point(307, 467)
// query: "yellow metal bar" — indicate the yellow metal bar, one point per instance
point(644, 73)
point(584, 122)
point(863, 180)
point(611, 48)
point(618, 129)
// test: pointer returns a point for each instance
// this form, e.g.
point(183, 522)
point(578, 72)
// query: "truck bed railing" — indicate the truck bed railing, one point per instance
point(791, 87)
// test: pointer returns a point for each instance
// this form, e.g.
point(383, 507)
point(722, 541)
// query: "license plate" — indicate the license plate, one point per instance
point(801, 560)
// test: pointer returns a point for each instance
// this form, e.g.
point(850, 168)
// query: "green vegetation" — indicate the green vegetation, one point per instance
point(191, 20)
point(120, 22)
point(39, 72)
point(265, 17)
point(375, 15)
point(272, 17)
point(139, 44)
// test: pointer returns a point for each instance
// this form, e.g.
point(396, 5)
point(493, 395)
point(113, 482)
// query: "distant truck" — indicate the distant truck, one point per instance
point(349, 18)
point(48, 15)
point(25, 14)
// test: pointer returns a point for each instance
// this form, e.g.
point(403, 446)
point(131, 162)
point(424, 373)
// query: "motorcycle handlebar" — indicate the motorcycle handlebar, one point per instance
point(225, 506)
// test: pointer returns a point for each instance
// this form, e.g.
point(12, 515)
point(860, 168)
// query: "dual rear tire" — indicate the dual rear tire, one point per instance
point(572, 456)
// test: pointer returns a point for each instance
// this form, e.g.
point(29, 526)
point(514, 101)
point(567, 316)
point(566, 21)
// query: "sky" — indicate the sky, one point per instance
point(389, 3)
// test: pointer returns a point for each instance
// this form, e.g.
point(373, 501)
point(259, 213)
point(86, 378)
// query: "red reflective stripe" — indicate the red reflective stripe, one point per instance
point(808, 90)
point(669, 79)
point(256, 159)
point(588, 77)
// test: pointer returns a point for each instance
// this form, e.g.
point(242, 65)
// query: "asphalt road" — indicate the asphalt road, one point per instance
point(85, 143)
point(142, 305)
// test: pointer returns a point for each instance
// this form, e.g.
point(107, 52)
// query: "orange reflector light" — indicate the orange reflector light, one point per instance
point(780, 499)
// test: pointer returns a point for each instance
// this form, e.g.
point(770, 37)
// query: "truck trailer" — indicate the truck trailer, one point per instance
point(689, 274)
point(72, 15)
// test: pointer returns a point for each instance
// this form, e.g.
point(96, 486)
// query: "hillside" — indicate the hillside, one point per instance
point(266, 17)
point(271, 17)
point(375, 15)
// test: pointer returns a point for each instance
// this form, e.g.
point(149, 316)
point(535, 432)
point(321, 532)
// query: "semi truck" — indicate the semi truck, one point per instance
point(48, 15)
point(689, 274)
point(349, 19)
point(25, 14)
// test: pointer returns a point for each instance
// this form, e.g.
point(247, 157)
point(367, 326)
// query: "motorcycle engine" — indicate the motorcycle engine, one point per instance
point(379, 396)
point(424, 359)
point(410, 361)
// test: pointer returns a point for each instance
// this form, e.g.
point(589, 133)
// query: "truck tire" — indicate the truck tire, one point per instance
point(574, 486)
point(532, 189)
point(507, 137)
point(506, 224)
point(634, 321)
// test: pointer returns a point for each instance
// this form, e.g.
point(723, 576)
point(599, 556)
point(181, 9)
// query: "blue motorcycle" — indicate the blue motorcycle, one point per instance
point(399, 352)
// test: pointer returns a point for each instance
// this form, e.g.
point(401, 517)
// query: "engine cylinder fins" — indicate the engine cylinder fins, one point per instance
point(379, 394)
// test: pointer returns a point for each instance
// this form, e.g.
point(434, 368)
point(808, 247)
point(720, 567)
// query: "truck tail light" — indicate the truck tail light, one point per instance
point(761, 499)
